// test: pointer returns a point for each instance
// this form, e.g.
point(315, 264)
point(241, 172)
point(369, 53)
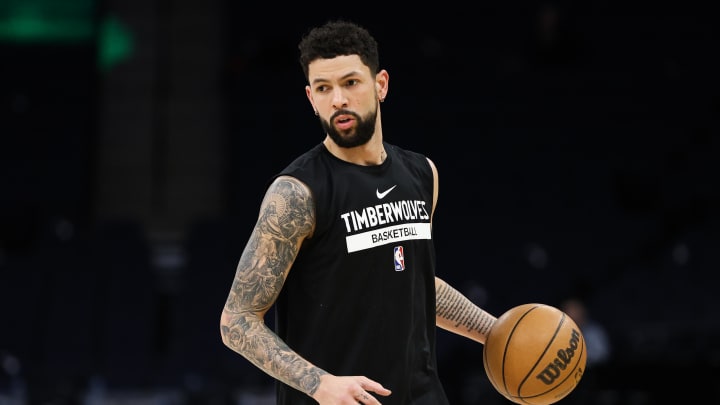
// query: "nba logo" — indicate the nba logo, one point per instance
point(399, 258)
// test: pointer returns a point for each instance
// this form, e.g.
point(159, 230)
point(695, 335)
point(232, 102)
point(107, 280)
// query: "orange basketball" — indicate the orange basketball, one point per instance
point(534, 354)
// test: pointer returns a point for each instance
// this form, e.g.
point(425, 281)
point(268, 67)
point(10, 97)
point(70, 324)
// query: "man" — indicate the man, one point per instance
point(343, 248)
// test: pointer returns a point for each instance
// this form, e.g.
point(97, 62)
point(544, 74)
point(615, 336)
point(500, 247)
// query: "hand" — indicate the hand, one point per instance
point(353, 390)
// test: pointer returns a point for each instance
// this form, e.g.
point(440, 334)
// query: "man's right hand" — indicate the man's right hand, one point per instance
point(352, 390)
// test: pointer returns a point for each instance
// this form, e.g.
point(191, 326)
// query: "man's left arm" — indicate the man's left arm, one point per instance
point(457, 314)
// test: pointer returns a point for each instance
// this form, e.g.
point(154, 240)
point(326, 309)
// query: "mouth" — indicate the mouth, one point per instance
point(344, 122)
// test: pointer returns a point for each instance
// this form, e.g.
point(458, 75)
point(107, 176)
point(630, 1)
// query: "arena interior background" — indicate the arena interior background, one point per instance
point(577, 146)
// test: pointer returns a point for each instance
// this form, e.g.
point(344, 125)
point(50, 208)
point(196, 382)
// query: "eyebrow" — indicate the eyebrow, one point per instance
point(345, 76)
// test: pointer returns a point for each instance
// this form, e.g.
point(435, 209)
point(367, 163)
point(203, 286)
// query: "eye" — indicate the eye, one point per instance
point(321, 89)
point(351, 82)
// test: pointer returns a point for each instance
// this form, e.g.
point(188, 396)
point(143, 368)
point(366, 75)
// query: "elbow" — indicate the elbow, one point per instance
point(236, 329)
point(229, 330)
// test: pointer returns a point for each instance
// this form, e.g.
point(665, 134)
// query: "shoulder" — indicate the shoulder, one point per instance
point(288, 188)
point(305, 160)
point(310, 168)
point(404, 153)
point(290, 203)
point(415, 160)
point(432, 166)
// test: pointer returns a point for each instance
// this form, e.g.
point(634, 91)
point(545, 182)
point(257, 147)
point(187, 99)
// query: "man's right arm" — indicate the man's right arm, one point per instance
point(287, 217)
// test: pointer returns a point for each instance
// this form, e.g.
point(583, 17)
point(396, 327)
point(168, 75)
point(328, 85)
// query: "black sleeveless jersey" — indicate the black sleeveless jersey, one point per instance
point(360, 297)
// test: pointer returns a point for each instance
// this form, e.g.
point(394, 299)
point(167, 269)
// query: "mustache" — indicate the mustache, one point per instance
point(344, 112)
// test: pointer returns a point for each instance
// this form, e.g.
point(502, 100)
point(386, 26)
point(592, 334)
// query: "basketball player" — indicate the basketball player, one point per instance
point(343, 246)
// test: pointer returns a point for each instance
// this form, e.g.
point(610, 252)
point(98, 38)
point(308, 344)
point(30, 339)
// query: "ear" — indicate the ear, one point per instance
point(308, 93)
point(382, 81)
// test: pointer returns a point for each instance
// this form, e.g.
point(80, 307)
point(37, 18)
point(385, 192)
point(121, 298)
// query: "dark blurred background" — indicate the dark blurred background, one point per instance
point(577, 146)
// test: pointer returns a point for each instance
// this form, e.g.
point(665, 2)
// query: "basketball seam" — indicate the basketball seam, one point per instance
point(507, 344)
point(550, 342)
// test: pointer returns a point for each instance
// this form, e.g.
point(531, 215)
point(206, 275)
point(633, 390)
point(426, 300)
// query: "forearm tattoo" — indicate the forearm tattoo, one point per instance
point(458, 309)
point(287, 215)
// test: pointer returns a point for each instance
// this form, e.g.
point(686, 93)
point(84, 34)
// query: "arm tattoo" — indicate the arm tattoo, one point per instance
point(287, 216)
point(456, 308)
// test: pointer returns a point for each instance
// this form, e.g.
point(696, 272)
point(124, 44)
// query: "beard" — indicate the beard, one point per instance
point(359, 135)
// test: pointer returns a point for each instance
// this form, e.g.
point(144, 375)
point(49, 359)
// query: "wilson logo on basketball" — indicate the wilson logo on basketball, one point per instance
point(553, 370)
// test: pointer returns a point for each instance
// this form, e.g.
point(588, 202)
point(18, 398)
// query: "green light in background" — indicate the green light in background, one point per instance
point(115, 43)
point(32, 21)
point(65, 22)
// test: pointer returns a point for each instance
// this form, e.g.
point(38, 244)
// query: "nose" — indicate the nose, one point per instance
point(339, 99)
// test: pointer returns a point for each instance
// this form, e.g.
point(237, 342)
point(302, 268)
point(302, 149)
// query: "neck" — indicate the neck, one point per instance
point(371, 154)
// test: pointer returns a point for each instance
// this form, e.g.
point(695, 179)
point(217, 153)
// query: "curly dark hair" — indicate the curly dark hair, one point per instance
point(337, 38)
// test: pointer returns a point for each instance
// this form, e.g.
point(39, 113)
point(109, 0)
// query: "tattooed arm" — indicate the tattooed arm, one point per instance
point(456, 313)
point(287, 217)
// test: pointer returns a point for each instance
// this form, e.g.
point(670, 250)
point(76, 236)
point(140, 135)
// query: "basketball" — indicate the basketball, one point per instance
point(534, 354)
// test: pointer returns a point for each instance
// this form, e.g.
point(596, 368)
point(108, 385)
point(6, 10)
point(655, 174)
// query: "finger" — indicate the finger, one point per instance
point(374, 386)
point(364, 398)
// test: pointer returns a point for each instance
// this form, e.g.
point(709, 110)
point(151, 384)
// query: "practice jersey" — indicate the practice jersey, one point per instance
point(360, 297)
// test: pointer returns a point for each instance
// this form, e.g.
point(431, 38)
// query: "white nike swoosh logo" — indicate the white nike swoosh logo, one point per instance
point(384, 193)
